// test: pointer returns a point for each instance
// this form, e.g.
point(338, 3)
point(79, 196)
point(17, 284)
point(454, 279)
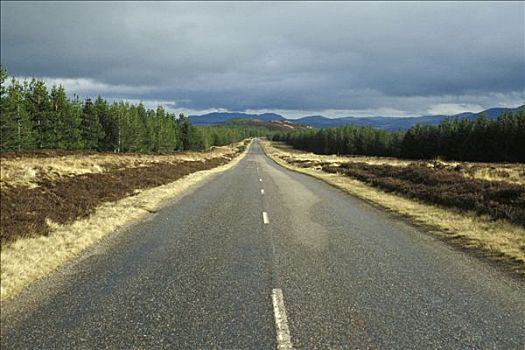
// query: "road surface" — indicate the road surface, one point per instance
point(260, 257)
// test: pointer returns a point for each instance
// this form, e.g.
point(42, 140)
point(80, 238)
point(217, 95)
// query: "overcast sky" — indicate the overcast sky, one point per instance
point(331, 58)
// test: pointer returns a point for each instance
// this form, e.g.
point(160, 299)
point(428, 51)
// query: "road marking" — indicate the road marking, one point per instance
point(265, 218)
point(260, 180)
point(284, 342)
point(262, 190)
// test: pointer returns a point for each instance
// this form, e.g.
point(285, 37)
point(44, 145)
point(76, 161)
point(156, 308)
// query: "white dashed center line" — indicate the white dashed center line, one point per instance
point(265, 218)
point(284, 342)
point(262, 190)
point(260, 180)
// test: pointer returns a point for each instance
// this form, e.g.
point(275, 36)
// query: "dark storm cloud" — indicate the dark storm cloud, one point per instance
point(286, 56)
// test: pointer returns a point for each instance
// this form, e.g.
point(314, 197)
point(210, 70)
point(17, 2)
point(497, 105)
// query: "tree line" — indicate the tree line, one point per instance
point(366, 141)
point(33, 117)
point(481, 139)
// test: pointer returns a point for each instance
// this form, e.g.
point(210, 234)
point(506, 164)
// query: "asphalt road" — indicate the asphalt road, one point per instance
point(319, 269)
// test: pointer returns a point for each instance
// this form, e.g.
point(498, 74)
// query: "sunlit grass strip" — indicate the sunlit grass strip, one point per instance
point(26, 170)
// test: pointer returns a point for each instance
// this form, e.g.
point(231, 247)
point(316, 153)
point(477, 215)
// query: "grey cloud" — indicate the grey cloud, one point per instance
point(298, 56)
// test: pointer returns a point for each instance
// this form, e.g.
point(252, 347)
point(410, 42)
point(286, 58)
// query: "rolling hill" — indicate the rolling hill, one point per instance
point(319, 121)
point(220, 117)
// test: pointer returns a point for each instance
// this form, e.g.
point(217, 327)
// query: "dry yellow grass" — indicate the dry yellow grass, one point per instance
point(27, 170)
point(495, 238)
point(29, 259)
point(513, 173)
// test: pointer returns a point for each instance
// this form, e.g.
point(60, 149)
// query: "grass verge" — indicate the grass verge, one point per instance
point(498, 240)
point(27, 259)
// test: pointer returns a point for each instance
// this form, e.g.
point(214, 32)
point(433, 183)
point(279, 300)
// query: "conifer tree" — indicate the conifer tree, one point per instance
point(7, 122)
point(60, 108)
point(72, 120)
point(184, 126)
point(108, 123)
point(39, 107)
point(91, 130)
point(16, 127)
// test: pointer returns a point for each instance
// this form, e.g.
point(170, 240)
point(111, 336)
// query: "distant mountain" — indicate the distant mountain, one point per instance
point(491, 113)
point(395, 123)
point(319, 121)
point(220, 117)
point(274, 125)
point(387, 123)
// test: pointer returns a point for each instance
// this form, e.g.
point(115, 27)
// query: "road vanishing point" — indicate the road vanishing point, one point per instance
point(260, 257)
